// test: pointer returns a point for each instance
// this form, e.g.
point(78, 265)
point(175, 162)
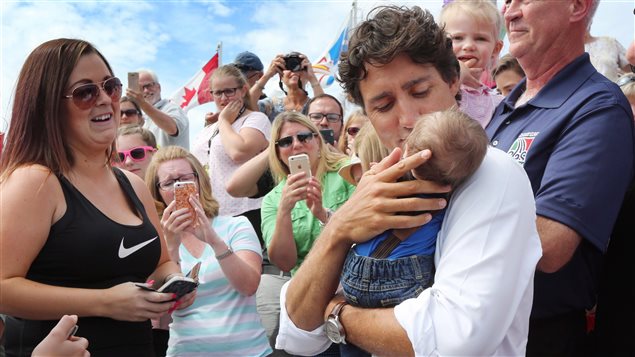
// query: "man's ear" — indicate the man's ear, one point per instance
point(579, 9)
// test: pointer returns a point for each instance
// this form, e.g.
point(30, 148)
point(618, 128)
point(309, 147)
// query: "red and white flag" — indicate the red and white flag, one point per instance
point(196, 91)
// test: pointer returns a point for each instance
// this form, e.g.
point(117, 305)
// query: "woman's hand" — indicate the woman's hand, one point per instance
point(307, 74)
point(275, 67)
point(293, 191)
point(58, 342)
point(174, 222)
point(184, 302)
point(202, 229)
point(128, 302)
point(314, 200)
point(229, 114)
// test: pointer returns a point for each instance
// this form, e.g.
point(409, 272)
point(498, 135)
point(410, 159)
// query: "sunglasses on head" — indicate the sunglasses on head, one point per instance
point(129, 112)
point(352, 131)
point(85, 95)
point(136, 154)
point(302, 137)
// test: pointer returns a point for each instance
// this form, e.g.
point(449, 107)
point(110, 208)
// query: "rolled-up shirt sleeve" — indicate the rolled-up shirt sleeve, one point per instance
point(295, 340)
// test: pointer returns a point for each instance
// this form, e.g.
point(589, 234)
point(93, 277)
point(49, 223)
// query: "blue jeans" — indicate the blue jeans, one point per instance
point(370, 282)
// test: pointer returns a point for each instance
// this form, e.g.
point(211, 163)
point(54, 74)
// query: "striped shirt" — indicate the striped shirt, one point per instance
point(221, 321)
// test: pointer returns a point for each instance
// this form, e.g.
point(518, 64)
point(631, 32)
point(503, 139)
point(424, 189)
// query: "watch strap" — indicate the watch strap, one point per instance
point(337, 309)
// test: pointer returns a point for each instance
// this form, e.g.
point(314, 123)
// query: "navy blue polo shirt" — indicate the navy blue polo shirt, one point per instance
point(575, 140)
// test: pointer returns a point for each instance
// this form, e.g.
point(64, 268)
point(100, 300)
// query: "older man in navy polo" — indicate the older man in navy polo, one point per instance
point(572, 130)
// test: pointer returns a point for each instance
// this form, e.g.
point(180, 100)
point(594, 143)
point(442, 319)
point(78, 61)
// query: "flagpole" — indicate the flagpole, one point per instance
point(219, 50)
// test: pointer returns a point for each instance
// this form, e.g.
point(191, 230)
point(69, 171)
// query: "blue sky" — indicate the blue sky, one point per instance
point(175, 38)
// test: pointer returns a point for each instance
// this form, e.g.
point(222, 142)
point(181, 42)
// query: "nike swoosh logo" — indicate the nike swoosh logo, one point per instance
point(124, 252)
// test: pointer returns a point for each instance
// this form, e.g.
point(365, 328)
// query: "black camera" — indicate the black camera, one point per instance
point(293, 62)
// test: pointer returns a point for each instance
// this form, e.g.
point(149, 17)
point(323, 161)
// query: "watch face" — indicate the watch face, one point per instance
point(333, 332)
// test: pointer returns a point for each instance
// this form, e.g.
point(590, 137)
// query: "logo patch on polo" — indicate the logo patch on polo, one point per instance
point(521, 146)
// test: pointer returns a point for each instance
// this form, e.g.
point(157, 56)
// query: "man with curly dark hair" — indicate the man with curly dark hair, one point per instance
point(400, 67)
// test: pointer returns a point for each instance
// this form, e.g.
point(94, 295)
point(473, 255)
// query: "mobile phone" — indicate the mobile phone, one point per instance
point(182, 192)
point(72, 331)
point(133, 81)
point(179, 285)
point(328, 135)
point(298, 163)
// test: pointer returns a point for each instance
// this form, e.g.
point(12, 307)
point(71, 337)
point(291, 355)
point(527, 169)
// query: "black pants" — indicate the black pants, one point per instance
point(562, 335)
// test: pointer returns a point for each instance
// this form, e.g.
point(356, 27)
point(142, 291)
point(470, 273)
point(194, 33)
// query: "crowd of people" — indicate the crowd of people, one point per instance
point(470, 204)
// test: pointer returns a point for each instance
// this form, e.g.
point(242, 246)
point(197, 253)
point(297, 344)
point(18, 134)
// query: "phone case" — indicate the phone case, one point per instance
point(299, 163)
point(179, 285)
point(328, 135)
point(182, 191)
point(133, 81)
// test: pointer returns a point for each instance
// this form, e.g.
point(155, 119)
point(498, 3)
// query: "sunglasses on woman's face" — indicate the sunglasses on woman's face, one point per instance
point(352, 131)
point(303, 137)
point(129, 112)
point(136, 154)
point(85, 95)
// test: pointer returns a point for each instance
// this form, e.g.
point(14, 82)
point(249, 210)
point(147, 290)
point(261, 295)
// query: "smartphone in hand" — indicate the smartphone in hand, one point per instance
point(133, 81)
point(179, 285)
point(298, 163)
point(182, 192)
point(328, 135)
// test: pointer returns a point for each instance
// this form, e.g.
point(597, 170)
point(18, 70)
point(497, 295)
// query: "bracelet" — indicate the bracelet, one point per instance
point(329, 213)
point(226, 254)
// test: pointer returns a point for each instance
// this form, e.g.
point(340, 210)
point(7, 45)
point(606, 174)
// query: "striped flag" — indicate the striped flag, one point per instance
point(326, 67)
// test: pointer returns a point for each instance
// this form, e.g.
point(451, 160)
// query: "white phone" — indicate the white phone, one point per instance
point(298, 163)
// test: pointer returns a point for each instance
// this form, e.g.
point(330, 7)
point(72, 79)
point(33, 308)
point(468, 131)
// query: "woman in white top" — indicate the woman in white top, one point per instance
point(240, 135)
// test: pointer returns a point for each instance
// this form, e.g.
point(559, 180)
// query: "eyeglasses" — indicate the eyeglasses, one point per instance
point(331, 117)
point(626, 79)
point(352, 131)
point(129, 112)
point(85, 95)
point(136, 154)
point(303, 137)
point(147, 85)
point(169, 184)
point(228, 92)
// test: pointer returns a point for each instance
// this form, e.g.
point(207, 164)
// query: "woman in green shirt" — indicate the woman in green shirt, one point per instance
point(294, 212)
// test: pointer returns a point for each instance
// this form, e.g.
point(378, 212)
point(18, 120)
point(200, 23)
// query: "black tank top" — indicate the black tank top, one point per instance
point(86, 249)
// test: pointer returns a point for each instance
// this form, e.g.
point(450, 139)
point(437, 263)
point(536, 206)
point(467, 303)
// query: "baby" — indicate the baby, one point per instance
point(475, 27)
point(379, 273)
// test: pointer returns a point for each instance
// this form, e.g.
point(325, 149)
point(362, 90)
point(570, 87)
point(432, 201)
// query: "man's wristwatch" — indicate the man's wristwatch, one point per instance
point(334, 329)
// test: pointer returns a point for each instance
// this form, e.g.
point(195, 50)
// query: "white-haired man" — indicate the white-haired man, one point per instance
point(572, 130)
point(164, 119)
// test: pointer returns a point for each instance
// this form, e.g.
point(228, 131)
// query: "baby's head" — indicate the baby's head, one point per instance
point(458, 144)
point(475, 28)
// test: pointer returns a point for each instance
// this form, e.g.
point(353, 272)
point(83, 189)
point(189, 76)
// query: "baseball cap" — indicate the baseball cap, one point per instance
point(248, 61)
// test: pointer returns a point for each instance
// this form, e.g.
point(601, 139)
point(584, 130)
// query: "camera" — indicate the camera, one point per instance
point(293, 62)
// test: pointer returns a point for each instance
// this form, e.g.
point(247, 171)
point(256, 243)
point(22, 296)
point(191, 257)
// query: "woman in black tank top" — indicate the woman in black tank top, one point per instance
point(76, 234)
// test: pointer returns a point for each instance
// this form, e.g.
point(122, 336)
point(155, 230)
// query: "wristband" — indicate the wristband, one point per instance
point(225, 255)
